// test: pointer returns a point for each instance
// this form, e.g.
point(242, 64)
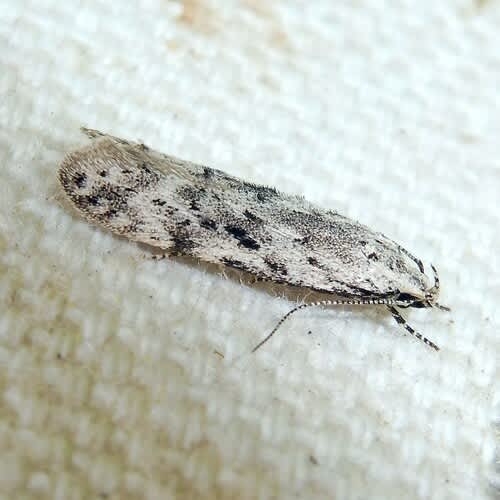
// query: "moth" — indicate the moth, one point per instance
point(200, 212)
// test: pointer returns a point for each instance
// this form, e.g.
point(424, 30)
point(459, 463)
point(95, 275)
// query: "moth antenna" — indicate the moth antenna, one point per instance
point(412, 257)
point(340, 302)
point(436, 286)
point(400, 320)
point(436, 277)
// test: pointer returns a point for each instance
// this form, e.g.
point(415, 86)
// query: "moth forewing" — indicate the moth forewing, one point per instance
point(195, 211)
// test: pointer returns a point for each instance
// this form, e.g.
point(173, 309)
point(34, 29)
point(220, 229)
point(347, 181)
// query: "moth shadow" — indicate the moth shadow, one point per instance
point(294, 294)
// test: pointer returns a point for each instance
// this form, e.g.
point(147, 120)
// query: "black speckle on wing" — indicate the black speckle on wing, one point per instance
point(80, 179)
point(169, 211)
point(144, 176)
point(242, 236)
point(182, 244)
point(303, 240)
point(91, 200)
point(158, 202)
point(208, 223)
point(234, 263)
point(252, 217)
point(192, 195)
point(277, 268)
point(313, 261)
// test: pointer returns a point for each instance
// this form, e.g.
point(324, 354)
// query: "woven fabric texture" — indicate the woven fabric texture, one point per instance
point(125, 377)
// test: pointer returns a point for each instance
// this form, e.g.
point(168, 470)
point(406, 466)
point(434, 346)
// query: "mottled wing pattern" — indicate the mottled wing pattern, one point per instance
point(196, 211)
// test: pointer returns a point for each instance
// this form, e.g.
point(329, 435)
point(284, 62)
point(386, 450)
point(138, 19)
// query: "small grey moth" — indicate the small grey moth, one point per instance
point(196, 211)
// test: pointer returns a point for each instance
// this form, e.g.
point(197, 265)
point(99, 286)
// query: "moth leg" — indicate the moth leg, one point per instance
point(400, 320)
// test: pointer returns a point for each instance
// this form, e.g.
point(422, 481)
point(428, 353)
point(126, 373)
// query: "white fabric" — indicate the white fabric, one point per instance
point(111, 381)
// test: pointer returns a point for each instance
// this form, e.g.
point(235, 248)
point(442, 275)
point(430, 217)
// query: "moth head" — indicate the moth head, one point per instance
point(428, 299)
